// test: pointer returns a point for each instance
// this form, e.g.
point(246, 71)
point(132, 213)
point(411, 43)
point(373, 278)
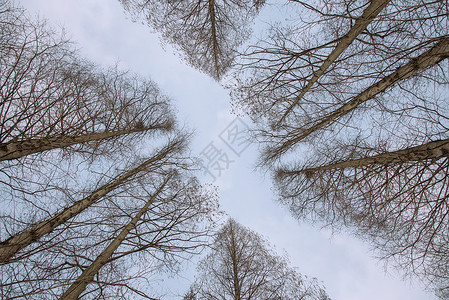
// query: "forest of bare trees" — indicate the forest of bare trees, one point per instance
point(81, 199)
point(349, 103)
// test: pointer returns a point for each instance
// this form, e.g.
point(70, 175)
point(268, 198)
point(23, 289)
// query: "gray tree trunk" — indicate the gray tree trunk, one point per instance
point(14, 150)
point(432, 150)
point(235, 261)
point(215, 46)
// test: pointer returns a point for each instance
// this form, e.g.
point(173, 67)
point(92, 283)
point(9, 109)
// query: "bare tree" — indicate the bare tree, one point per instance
point(172, 232)
point(433, 56)
point(316, 74)
point(208, 32)
point(190, 295)
point(51, 98)
point(241, 265)
point(12, 245)
point(396, 200)
point(121, 252)
point(359, 26)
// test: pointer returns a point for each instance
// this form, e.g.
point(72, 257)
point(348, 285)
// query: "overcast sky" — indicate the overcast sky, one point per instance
point(105, 35)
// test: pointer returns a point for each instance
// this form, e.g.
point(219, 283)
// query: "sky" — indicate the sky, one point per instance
point(106, 35)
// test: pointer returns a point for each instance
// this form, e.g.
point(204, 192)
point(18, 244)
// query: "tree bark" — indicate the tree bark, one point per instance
point(432, 150)
point(360, 24)
point(14, 150)
point(11, 246)
point(80, 284)
point(436, 54)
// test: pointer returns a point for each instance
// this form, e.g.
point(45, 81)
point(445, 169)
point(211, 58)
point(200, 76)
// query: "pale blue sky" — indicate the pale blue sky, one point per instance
point(106, 36)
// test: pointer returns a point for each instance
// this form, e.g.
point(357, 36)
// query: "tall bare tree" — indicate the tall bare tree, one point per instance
point(241, 265)
point(208, 32)
point(314, 75)
point(51, 98)
point(12, 245)
point(398, 199)
point(169, 223)
point(359, 26)
point(431, 57)
point(122, 253)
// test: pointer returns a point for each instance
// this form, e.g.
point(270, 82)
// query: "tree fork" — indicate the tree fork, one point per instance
point(80, 284)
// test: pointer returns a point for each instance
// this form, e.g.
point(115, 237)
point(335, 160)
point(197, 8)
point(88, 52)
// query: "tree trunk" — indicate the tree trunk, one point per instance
point(80, 284)
point(214, 36)
point(432, 150)
point(235, 270)
point(15, 243)
point(439, 52)
point(14, 150)
point(360, 24)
